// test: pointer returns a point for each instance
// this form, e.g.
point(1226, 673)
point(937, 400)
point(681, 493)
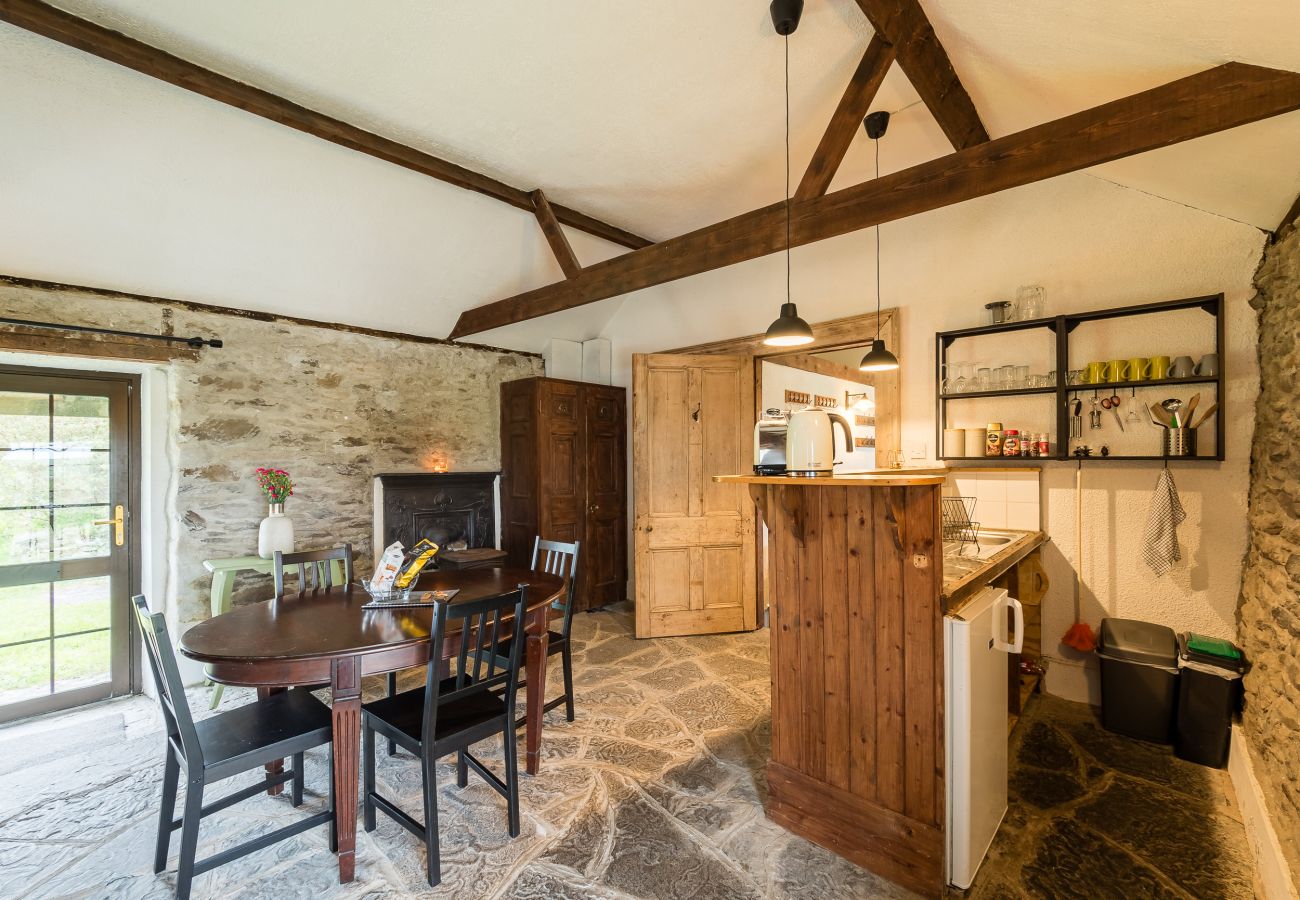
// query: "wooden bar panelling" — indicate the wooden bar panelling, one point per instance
point(862, 631)
point(835, 649)
point(889, 647)
point(857, 674)
point(918, 659)
point(812, 662)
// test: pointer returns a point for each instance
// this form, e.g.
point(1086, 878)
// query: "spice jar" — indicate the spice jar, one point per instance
point(1028, 446)
point(993, 443)
point(1011, 442)
point(1044, 445)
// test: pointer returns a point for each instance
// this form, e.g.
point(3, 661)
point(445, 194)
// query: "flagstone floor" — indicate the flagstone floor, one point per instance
point(654, 792)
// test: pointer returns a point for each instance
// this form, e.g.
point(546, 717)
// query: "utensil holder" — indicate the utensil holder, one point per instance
point(1180, 442)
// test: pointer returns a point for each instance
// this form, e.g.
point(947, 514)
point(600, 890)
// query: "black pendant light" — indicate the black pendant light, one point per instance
point(788, 330)
point(878, 358)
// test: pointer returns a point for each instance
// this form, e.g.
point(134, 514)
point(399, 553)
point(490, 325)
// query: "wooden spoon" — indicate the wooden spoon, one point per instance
point(1191, 407)
point(1211, 410)
point(1159, 416)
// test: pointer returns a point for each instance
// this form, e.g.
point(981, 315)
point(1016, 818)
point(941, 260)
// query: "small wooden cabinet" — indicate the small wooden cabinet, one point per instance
point(564, 477)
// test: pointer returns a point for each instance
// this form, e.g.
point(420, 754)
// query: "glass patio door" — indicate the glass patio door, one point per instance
point(65, 540)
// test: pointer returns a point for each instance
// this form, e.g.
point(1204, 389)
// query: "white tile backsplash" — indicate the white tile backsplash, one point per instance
point(991, 487)
point(1022, 516)
point(1022, 487)
point(1002, 499)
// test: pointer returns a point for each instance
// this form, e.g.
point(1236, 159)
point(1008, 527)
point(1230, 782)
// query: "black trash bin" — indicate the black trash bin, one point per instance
point(1139, 678)
point(1209, 695)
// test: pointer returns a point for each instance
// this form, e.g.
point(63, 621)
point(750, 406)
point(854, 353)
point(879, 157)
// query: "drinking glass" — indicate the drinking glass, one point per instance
point(962, 382)
point(1007, 377)
point(984, 379)
point(1022, 377)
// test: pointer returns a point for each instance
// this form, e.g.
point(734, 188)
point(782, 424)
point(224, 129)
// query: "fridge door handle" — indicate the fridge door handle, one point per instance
point(1018, 640)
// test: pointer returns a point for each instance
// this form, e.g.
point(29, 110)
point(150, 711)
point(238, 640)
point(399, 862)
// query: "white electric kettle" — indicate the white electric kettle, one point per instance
point(810, 441)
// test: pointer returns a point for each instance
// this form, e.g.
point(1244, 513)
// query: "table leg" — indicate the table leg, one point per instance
point(346, 686)
point(272, 768)
point(535, 675)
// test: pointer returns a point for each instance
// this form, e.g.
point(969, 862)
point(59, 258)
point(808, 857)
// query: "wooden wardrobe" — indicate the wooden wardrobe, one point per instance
point(564, 477)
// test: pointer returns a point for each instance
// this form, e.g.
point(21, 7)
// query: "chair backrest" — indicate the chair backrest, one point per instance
point(314, 567)
point(167, 678)
point(487, 659)
point(559, 559)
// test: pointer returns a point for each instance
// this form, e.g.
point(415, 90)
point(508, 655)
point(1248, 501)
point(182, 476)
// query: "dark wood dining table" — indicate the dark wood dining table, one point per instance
point(325, 636)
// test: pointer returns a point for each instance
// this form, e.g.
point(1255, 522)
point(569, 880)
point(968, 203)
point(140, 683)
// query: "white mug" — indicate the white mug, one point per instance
point(1208, 367)
point(1183, 367)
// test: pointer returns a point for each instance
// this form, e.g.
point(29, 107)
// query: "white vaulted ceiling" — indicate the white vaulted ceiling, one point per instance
point(656, 117)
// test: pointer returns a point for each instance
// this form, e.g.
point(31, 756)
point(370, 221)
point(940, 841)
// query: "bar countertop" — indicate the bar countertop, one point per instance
point(855, 478)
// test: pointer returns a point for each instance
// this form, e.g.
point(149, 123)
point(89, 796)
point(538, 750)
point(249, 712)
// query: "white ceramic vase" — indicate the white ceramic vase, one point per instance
point(275, 533)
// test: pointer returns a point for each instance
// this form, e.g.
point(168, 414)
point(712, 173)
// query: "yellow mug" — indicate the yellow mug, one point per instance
point(1116, 370)
point(1159, 367)
point(1139, 369)
point(1094, 373)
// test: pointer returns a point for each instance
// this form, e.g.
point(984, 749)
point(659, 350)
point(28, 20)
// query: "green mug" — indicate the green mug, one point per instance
point(1139, 369)
point(1094, 373)
point(1116, 370)
point(1159, 367)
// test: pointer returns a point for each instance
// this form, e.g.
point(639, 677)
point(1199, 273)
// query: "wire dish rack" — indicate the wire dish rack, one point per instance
point(957, 526)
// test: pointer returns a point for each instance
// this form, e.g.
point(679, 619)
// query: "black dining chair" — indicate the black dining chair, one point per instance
point(559, 559)
point(449, 714)
point(314, 567)
point(315, 571)
point(223, 745)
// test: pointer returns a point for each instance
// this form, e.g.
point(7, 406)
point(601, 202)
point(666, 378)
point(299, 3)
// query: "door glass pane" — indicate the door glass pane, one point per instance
point(80, 476)
point(24, 671)
point(24, 536)
point(82, 660)
point(81, 422)
point(56, 480)
point(24, 613)
point(81, 605)
point(24, 477)
point(74, 535)
point(26, 419)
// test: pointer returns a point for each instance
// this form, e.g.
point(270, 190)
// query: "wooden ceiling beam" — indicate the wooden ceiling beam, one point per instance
point(847, 118)
point(57, 25)
point(1215, 100)
point(555, 235)
point(922, 58)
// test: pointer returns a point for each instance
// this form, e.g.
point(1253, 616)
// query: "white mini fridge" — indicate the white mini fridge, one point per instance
point(976, 643)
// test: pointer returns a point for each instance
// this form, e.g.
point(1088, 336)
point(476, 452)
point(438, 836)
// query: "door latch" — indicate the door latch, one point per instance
point(119, 525)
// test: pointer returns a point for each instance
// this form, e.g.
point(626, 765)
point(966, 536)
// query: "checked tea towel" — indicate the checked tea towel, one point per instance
point(1161, 542)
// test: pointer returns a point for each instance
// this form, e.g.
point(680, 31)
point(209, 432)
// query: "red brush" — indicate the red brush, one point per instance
point(1080, 637)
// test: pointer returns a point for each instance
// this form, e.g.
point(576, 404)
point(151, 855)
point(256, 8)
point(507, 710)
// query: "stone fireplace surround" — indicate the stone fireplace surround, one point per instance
point(440, 506)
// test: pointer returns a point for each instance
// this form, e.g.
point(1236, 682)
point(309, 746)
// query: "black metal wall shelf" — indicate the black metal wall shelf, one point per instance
point(1061, 328)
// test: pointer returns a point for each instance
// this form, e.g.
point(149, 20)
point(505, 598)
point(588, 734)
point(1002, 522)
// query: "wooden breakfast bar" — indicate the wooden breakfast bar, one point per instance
point(857, 761)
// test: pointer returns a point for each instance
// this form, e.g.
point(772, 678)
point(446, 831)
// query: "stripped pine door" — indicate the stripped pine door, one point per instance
point(694, 545)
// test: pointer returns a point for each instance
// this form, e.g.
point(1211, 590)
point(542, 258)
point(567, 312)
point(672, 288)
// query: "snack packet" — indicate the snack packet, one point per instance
point(420, 555)
point(389, 565)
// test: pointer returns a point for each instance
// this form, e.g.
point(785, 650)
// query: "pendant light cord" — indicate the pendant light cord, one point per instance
point(877, 230)
point(787, 168)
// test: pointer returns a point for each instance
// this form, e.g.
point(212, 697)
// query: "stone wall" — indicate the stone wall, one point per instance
point(333, 407)
point(1269, 611)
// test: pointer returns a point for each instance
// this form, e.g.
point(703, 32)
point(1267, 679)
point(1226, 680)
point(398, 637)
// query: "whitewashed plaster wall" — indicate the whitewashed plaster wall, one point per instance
point(1092, 244)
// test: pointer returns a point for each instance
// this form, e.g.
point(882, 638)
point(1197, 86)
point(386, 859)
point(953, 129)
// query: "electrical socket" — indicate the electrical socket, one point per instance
point(916, 451)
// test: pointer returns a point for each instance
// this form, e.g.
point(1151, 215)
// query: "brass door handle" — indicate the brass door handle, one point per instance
point(119, 525)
